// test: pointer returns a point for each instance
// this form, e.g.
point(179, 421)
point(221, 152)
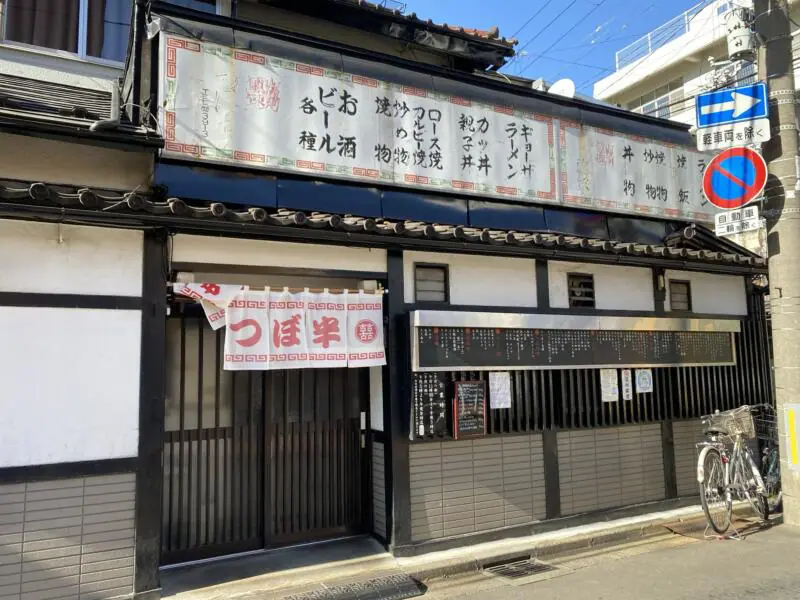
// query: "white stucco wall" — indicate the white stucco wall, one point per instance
point(70, 377)
point(70, 385)
point(259, 253)
point(615, 287)
point(479, 280)
point(73, 164)
point(712, 294)
point(68, 259)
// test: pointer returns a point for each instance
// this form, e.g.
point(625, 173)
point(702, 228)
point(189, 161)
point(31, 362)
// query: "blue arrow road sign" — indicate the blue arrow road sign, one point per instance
point(732, 105)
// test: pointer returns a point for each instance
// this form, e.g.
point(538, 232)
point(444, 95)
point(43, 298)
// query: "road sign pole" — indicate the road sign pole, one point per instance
point(782, 209)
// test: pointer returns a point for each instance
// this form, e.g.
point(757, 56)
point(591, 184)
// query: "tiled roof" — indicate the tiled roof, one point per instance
point(492, 34)
point(116, 205)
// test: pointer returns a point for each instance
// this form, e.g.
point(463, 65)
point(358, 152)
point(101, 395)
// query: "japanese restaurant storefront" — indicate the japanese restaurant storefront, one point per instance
point(553, 323)
point(410, 302)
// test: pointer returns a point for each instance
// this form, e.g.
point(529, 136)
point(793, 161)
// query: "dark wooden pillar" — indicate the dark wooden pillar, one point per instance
point(397, 409)
point(152, 385)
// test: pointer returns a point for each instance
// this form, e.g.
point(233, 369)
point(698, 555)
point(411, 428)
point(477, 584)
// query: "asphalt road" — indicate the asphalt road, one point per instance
point(765, 565)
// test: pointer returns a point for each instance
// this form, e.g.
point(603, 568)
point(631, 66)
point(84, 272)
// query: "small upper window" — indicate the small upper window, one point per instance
point(680, 295)
point(580, 290)
point(430, 283)
point(97, 29)
point(722, 8)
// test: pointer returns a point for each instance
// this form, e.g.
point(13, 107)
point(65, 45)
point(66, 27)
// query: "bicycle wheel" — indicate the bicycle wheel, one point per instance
point(771, 474)
point(751, 484)
point(714, 497)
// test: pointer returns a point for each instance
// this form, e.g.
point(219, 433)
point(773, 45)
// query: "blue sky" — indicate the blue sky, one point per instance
point(560, 32)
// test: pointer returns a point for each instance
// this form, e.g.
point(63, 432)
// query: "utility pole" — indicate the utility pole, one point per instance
point(782, 210)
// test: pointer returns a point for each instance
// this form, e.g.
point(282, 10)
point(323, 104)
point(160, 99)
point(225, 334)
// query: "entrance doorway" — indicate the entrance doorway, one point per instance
point(256, 459)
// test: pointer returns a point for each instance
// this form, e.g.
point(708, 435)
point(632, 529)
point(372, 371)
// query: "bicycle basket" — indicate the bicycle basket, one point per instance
point(738, 421)
point(766, 424)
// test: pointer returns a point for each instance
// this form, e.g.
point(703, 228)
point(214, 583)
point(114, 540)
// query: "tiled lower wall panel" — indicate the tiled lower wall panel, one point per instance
point(477, 485)
point(378, 490)
point(68, 538)
point(606, 468)
point(685, 435)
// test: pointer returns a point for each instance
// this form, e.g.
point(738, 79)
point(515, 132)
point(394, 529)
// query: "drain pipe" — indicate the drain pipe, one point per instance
point(113, 121)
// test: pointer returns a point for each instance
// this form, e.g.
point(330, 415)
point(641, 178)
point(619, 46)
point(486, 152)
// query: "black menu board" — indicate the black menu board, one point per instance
point(430, 405)
point(466, 348)
point(469, 409)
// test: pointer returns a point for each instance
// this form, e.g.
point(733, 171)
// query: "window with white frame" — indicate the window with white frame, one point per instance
point(662, 102)
point(90, 29)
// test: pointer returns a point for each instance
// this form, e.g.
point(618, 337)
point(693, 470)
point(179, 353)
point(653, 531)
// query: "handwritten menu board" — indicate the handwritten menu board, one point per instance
point(430, 405)
point(469, 409)
point(464, 348)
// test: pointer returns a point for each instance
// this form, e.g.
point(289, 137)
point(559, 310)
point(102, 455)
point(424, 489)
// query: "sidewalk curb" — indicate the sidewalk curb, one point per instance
point(551, 549)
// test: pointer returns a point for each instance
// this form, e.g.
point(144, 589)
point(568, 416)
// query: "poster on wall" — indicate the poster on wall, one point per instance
point(232, 106)
point(326, 319)
point(500, 389)
point(365, 330)
point(609, 385)
point(644, 381)
point(247, 332)
point(288, 347)
point(627, 384)
point(469, 409)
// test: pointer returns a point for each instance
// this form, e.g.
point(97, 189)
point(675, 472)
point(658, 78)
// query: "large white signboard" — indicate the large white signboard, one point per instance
point(236, 107)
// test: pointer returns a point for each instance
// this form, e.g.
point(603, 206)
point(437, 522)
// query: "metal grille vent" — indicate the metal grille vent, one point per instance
point(32, 95)
point(518, 569)
point(430, 283)
point(581, 290)
point(393, 587)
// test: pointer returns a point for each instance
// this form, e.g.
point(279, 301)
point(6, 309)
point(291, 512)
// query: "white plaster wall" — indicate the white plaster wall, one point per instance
point(69, 259)
point(479, 280)
point(615, 287)
point(37, 159)
point(713, 294)
point(226, 251)
point(70, 385)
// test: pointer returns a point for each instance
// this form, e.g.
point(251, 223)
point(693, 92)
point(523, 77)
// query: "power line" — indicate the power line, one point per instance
point(608, 41)
point(597, 43)
point(533, 37)
point(565, 34)
point(570, 62)
point(533, 16)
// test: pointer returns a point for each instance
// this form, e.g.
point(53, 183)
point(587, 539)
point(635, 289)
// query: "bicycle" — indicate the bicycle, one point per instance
point(766, 424)
point(726, 469)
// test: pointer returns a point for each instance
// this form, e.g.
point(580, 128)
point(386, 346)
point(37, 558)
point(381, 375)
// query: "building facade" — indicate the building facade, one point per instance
point(548, 333)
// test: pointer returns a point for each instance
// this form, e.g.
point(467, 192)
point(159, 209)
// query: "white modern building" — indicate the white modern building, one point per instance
point(660, 73)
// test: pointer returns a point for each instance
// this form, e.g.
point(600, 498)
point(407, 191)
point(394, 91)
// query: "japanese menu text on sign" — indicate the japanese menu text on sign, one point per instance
point(238, 107)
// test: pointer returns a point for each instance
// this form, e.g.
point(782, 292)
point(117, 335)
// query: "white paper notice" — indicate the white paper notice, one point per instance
point(500, 389)
point(644, 381)
point(627, 384)
point(609, 385)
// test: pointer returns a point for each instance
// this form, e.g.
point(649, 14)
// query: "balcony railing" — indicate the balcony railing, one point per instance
point(672, 29)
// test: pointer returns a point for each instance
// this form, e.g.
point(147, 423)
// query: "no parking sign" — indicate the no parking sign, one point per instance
point(734, 177)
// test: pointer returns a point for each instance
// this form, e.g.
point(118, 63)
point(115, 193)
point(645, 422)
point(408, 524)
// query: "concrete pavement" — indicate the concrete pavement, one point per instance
point(303, 569)
point(764, 565)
